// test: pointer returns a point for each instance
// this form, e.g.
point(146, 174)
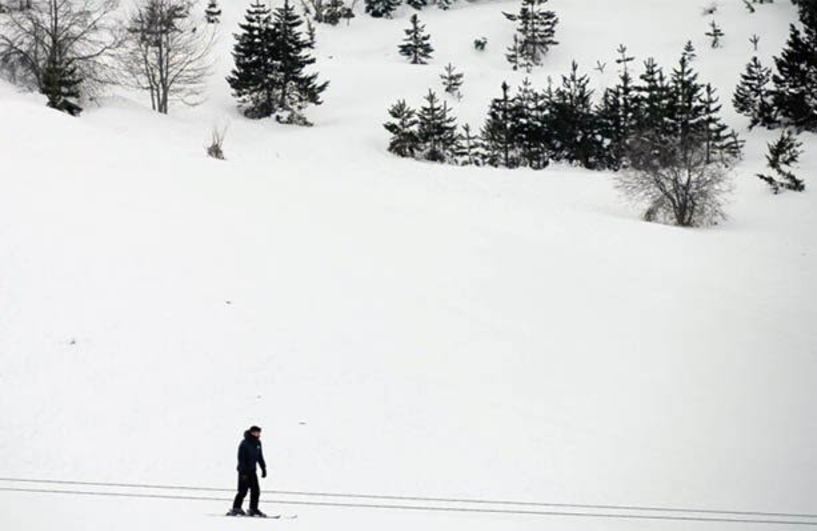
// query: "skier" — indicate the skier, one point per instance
point(249, 455)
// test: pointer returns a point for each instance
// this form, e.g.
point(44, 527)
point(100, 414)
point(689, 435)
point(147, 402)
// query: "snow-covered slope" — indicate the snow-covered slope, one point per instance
point(395, 326)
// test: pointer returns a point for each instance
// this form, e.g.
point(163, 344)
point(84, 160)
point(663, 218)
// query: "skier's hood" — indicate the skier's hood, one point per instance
point(249, 436)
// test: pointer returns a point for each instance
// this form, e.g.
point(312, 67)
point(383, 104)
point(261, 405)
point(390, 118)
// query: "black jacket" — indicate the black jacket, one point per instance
point(250, 455)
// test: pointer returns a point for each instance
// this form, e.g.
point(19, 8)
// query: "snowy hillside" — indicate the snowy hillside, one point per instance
point(399, 327)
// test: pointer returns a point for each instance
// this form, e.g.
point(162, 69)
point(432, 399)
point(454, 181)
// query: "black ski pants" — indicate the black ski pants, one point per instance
point(247, 482)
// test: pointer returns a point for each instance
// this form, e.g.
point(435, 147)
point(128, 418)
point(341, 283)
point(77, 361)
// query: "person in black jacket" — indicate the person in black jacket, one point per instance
point(249, 457)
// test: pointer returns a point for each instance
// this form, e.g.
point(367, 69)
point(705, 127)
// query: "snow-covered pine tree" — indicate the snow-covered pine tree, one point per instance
point(381, 8)
point(689, 51)
point(686, 110)
point(295, 88)
point(783, 154)
point(715, 34)
point(515, 58)
point(655, 96)
point(795, 93)
point(536, 32)
point(417, 4)
point(212, 12)
point(469, 150)
point(416, 46)
point(452, 81)
point(498, 133)
point(573, 122)
point(253, 79)
point(753, 97)
point(721, 144)
point(403, 128)
point(436, 130)
point(530, 126)
point(619, 113)
point(60, 84)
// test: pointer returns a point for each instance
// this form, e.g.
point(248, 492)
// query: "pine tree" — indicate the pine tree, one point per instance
point(452, 81)
point(721, 144)
point(795, 93)
point(619, 114)
point(60, 84)
point(416, 45)
point(469, 150)
point(436, 130)
point(655, 96)
point(530, 127)
point(404, 141)
point(686, 110)
point(295, 88)
point(689, 51)
point(515, 57)
point(715, 33)
point(213, 12)
point(536, 32)
point(417, 4)
point(254, 76)
point(381, 8)
point(498, 132)
point(753, 97)
point(573, 121)
point(782, 156)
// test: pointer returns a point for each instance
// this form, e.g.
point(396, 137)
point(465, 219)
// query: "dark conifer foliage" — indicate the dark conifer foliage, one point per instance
point(213, 12)
point(536, 32)
point(753, 97)
point(60, 84)
point(531, 129)
point(715, 34)
point(452, 81)
point(783, 154)
point(417, 4)
point(572, 122)
point(416, 46)
point(436, 130)
point(499, 131)
point(253, 77)
point(381, 8)
point(470, 151)
point(795, 92)
point(271, 55)
point(403, 128)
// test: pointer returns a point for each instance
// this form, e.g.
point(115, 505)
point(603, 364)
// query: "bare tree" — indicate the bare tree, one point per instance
point(44, 35)
point(673, 178)
point(168, 52)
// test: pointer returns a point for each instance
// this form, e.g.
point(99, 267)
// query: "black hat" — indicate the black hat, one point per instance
point(254, 428)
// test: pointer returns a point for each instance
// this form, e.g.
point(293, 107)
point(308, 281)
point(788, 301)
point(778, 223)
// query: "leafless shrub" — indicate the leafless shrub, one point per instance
point(675, 182)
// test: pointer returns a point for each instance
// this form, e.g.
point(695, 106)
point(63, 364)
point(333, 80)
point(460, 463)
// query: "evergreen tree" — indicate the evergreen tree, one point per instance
point(60, 84)
point(655, 97)
point(686, 118)
point(498, 132)
point(720, 142)
point(417, 4)
point(753, 97)
point(619, 114)
point(254, 75)
point(530, 127)
point(404, 141)
point(213, 12)
point(715, 33)
point(515, 57)
point(469, 150)
point(381, 8)
point(573, 121)
point(436, 130)
point(295, 88)
point(416, 45)
point(795, 94)
point(689, 51)
point(782, 156)
point(452, 81)
point(536, 32)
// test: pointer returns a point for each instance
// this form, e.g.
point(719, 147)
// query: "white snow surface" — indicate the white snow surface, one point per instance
point(399, 327)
